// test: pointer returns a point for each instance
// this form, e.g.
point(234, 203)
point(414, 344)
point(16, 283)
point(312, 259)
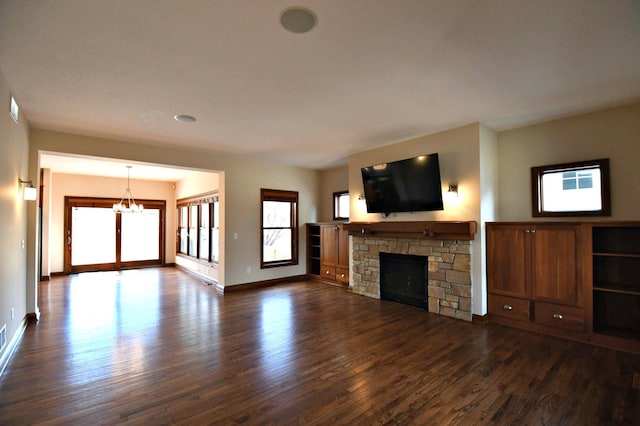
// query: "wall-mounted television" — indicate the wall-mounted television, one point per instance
point(410, 185)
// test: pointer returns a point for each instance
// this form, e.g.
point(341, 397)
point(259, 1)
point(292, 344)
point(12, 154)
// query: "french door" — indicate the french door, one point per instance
point(98, 239)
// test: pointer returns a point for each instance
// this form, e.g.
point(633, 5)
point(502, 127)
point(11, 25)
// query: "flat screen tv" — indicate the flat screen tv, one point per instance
point(410, 185)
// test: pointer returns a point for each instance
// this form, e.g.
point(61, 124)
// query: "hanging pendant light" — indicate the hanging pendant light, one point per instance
point(127, 204)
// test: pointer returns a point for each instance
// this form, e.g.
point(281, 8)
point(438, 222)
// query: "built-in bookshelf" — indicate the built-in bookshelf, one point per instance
point(616, 280)
point(313, 247)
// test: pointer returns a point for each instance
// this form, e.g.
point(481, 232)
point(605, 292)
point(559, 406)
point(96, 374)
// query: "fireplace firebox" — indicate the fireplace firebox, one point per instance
point(403, 278)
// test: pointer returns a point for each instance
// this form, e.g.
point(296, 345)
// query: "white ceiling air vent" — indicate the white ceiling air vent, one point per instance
point(184, 118)
point(298, 20)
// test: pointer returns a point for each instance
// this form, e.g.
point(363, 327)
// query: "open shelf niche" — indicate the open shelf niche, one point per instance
point(616, 281)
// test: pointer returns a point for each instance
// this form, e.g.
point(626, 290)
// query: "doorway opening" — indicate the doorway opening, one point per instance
point(99, 239)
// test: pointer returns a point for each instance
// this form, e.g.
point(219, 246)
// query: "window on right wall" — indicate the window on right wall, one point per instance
point(571, 189)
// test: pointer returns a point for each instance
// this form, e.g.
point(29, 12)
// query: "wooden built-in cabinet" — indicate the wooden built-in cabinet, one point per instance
point(575, 280)
point(534, 276)
point(328, 252)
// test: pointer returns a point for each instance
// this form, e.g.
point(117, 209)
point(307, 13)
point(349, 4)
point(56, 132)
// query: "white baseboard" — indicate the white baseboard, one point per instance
point(5, 356)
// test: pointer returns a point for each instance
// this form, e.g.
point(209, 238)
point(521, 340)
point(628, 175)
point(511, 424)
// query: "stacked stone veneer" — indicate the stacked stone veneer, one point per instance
point(449, 287)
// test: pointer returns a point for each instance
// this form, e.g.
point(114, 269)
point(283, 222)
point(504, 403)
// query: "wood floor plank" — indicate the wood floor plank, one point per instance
point(156, 346)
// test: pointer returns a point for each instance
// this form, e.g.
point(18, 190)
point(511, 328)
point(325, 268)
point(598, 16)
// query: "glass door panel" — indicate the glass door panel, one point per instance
point(93, 239)
point(140, 235)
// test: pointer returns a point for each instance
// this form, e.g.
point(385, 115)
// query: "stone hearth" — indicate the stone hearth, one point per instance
point(449, 264)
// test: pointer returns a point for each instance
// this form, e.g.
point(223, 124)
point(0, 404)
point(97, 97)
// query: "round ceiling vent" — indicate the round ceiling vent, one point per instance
point(298, 20)
point(185, 118)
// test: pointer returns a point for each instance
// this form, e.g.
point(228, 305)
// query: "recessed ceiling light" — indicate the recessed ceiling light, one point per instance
point(185, 118)
point(298, 20)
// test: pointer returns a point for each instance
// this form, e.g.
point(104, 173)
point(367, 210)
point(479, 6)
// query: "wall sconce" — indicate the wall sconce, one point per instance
point(361, 203)
point(29, 192)
point(453, 190)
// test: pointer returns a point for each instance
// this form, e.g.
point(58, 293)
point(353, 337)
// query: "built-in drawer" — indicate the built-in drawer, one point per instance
point(342, 275)
point(559, 316)
point(509, 307)
point(328, 272)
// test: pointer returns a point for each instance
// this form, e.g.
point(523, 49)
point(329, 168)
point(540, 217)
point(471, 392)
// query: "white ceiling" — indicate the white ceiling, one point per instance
point(371, 73)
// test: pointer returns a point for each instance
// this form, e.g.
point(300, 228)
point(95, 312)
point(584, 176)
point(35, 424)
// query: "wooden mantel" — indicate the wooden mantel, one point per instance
point(439, 230)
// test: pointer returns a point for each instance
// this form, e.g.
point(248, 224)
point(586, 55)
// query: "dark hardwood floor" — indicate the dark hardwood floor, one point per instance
point(157, 346)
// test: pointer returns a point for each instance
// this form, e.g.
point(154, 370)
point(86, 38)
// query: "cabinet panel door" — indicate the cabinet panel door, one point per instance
point(555, 272)
point(329, 245)
point(507, 260)
point(343, 248)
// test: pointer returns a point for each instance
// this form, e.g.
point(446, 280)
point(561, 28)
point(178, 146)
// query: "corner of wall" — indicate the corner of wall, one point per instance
point(489, 195)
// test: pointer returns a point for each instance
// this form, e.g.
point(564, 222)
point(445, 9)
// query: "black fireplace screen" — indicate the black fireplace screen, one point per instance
point(403, 278)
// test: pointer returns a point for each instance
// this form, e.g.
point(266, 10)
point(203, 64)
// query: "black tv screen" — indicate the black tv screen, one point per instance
point(410, 185)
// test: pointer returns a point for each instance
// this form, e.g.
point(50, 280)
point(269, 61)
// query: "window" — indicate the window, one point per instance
point(572, 189)
point(341, 205)
point(183, 229)
point(198, 227)
point(579, 179)
point(193, 230)
point(204, 232)
point(215, 231)
point(279, 234)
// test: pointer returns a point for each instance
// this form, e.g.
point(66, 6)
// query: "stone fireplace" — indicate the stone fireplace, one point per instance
point(449, 267)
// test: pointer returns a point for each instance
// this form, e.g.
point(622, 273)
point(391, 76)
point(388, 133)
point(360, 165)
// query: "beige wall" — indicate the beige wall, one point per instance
point(243, 179)
point(612, 133)
point(488, 206)
point(103, 187)
point(14, 164)
point(198, 183)
point(459, 152)
point(332, 180)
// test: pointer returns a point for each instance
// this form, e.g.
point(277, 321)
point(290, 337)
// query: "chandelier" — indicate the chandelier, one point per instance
point(127, 204)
